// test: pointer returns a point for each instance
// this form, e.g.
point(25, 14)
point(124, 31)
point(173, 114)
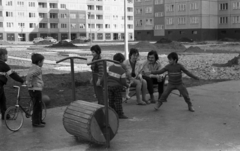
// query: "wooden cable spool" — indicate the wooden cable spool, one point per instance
point(87, 121)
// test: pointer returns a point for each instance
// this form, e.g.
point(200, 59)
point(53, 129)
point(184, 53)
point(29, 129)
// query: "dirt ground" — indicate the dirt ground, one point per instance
point(58, 83)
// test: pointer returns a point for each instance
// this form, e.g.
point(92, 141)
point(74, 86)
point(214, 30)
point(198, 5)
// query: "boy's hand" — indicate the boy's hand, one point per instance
point(146, 73)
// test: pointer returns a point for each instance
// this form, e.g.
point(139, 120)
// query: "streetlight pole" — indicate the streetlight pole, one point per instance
point(89, 13)
point(69, 25)
point(125, 30)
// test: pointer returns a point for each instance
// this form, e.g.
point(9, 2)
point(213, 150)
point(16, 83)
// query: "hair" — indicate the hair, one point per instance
point(173, 56)
point(36, 58)
point(153, 52)
point(119, 57)
point(133, 51)
point(3, 51)
point(96, 49)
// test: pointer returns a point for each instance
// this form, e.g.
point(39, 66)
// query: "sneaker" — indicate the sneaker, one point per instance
point(8, 117)
point(190, 108)
point(38, 125)
point(158, 104)
point(42, 122)
point(123, 117)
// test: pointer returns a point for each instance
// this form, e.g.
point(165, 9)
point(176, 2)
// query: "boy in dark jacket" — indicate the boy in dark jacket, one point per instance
point(116, 81)
point(5, 72)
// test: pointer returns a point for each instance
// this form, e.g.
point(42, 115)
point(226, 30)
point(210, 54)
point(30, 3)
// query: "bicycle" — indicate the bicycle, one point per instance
point(14, 115)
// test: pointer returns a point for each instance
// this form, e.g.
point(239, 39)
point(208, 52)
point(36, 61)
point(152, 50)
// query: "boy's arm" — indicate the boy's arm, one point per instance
point(13, 75)
point(100, 70)
point(159, 71)
point(189, 73)
point(123, 80)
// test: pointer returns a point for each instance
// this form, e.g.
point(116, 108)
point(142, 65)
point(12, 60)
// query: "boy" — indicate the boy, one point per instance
point(35, 86)
point(116, 80)
point(5, 72)
point(174, 70)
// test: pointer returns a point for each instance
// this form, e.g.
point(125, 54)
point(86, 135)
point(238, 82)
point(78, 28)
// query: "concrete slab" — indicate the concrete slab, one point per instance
point(214, 126)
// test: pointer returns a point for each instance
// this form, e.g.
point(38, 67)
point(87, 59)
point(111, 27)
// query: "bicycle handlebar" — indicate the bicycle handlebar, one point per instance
point(19, 88)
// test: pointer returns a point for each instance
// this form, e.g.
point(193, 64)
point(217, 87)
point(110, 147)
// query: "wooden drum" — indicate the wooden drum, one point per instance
point(87, 121)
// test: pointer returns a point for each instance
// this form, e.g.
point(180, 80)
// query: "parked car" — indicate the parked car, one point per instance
point(37, 40)
point(50, 39)
point(81, 39)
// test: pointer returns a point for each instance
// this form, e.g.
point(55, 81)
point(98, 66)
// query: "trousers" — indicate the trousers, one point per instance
point(36, 97)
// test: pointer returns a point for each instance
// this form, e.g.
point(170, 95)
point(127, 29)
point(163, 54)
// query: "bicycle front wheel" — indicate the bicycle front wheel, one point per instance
point(44, 111)
point(14, 118)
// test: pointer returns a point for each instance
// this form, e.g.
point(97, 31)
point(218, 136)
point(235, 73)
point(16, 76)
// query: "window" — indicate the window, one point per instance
point(73, 25)
point(169, 21)
point(108, 36)
point(181, 7)
point(193, 6)
point(20, 14)
point(53, 15)
point(169, 8)
point(236, 5)
point(223, 20)
point(236, 19)
point(99, 17)
point(63, 15)
point(1, 25)
point(9, 14)
point(0, 2)
point(53, 25)
point(194, 32)
point(130, 26)
point(129, 9)
point(91, 26)
point(31, 4)
point(158, 2)
point(20, 3)
point(149, 10)
point(130, 17)
point(32, 15)
point(42, 15)
point(107, 17)
point(107, 26)
point(9, 24)
point(181, 20)
point(138, 11)
point(82, 26)
point(21, 25)
point(137, 0)
point(194, 20)
point(90, 7)
point(63, 6)
point(1, 15)
point(32, 25)
point(99, 26)
point(53, 5)
point(73, 16)
point(42, 5)
point(138, 23)
point(223, 6)
point(81, 16)
point(100, 36)
point(149, 22)
point(42, 25)
point(159, 14)
point(9, 3)
point(157, 27)
point(63, 25)
point(99, 8)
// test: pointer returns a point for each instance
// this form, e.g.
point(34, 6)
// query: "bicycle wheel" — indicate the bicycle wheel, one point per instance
point(44, 110)
point(14, 118)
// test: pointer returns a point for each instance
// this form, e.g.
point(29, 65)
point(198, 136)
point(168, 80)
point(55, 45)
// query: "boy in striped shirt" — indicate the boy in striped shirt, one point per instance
point(174, 70)
point(116, 81)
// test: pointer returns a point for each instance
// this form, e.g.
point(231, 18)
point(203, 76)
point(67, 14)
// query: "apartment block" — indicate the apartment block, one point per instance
point(194, 19)
point(24, 20)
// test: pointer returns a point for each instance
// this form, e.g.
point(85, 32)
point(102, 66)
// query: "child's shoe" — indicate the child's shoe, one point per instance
point(158, 104)
point(123, 116)
point(190, 108)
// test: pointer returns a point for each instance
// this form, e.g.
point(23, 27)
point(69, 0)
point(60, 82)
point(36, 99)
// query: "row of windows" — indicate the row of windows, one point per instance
point(148, 22)
point(183, 20)
point(181, 7)
point(56, 25)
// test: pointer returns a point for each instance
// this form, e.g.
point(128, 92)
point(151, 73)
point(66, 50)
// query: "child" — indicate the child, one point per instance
point(5, 72)
point(174, 70)
point(97, 73)
point(35, 86)
point(116, 80)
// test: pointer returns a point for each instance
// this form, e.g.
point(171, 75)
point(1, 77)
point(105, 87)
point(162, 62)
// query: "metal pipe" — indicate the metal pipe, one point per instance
point(125, 30)
point(73, 79)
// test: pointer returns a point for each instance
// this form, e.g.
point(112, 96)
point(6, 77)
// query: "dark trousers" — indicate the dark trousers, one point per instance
point(181, 88)
point(3, 106)
point(98, 89)
point(36, 97)
point(115, 98)
point(151, 82)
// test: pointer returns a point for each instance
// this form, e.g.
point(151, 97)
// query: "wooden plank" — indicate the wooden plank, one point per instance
point(75, 118)
point(76, 127)
point(77, 133)
point(80, 124)
point(77, 109)
point(71, 112)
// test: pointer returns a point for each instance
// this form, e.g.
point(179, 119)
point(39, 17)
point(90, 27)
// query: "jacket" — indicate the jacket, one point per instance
point(34, 78)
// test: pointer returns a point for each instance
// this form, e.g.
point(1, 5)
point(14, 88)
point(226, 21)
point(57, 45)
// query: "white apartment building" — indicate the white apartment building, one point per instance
point(27, 19)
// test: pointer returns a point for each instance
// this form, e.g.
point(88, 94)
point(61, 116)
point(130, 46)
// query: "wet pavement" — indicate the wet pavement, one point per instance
point(214, 126)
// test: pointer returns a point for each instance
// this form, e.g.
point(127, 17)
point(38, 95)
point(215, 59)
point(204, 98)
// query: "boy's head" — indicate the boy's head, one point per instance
point(96, 50)
point(37, 59)
point(119, 57)
point(152, 56)
point(3, 54)
point(173, 57)
point(133, 54)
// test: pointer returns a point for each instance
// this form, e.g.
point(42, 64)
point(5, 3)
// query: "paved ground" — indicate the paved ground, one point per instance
point(214, 126)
